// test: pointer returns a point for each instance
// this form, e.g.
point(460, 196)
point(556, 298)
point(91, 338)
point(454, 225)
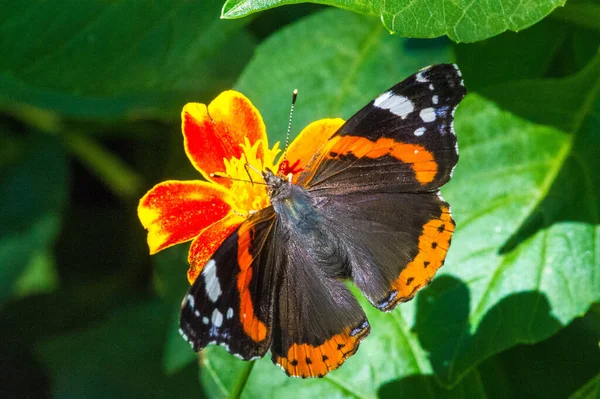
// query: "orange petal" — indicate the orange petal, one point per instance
point(310, 139)
point(204, 246)
point(214, 133)
point(177, 211)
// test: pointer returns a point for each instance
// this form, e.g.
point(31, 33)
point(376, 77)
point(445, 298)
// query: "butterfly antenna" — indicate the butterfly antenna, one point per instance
point(218, 176)
point(289, 130)
point(246, 166)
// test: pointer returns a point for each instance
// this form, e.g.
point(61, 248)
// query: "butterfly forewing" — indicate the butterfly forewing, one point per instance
point(402, 141)
point(231, 301)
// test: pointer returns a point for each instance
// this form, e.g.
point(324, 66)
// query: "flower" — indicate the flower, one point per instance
point(219, 140)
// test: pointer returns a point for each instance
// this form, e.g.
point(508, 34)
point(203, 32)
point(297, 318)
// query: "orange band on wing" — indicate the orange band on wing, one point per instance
point(255, 328)
point(305, 360)
point(421, 161)
point(210, 239)
point(433, 246)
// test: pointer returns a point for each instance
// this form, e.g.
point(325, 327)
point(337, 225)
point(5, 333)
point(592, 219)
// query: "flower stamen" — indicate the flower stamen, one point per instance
point(258, 157)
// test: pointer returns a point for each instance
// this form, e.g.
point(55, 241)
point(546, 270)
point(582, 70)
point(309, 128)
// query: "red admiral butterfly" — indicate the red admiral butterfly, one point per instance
point(366, 209)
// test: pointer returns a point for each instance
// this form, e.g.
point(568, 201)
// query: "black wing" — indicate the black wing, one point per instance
point(395, 242)
point(402, 141)
point(380, 174)
point(231, 302)
point(318, 322)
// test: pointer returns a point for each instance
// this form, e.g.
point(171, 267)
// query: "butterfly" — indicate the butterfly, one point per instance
point(366, 208)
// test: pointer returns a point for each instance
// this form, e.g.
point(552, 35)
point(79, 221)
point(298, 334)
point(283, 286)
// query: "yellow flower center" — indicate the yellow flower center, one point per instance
point(248, 196)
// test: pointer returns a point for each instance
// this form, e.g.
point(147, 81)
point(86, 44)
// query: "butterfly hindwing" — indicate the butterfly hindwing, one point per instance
point(401, 141)
point(275, 292)
point(391, 254)
point(231, 301)
point(318, 322)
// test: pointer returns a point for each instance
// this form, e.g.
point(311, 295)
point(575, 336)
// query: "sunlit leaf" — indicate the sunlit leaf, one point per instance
point(351, 60)
point(461, 21)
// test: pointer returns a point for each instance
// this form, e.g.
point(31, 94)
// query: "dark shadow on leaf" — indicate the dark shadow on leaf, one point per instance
point(445, 331)
point(442, 314)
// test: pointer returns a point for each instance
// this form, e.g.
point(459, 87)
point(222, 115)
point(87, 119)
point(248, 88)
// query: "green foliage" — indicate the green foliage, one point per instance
point(33, 187)
point(461, 21)
point(109, 59)
point(90, 96)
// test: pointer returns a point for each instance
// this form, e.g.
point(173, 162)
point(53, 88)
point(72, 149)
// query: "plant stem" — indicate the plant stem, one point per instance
point(119, 177)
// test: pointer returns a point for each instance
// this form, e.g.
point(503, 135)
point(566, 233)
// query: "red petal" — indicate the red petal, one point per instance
point(177, 211)
point(310, 139)
point(214, 133)
point(205, 245)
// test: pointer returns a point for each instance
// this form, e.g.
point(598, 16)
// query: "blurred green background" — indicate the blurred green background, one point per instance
point(90, 100)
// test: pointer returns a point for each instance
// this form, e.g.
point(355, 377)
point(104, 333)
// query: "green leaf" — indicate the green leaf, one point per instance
point(525, 200)
point(388, 364)
point(116, 59)
point(524, 258)
point(40, 276)
point(583, 13)
point(331, 75)
point(570, 359)
point(510, 56)
point(33, 189)
point(177, 354)
point(565, 102)
point(170, 282)
point(591, 390)
point(119, 357)
point(461, 21)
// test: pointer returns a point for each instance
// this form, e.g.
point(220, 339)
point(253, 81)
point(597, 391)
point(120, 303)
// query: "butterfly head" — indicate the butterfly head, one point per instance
point(277, 185)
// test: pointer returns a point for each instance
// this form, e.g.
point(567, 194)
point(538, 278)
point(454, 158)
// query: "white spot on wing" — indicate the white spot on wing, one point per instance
point(382, 98)
point(398, 105)
point(184, 335)
point(452, 124)
point(217, 318)
point(190, 301)
point(419, 131)
point(427, 114)
point(431, 86)
point(420, 78)
point(435, 99)
point(213, 288)
point(459, 73)
point(229, 313)
point(196, 313)
point(205, 320)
